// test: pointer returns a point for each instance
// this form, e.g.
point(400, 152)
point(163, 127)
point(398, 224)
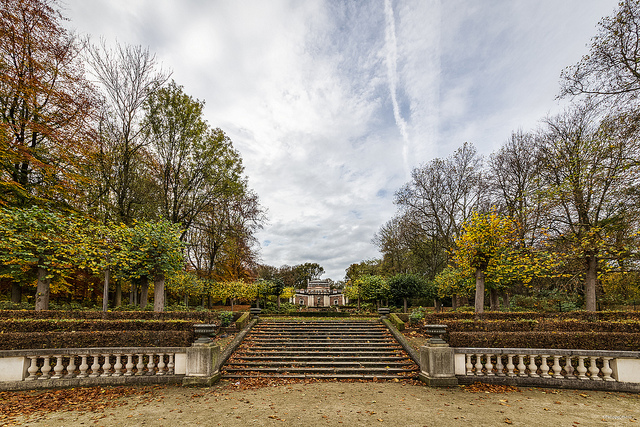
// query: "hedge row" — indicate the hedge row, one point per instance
point(198, 316)
point(30, 340)
point(569, 325)
point(588, 316)
point(538, 339)
point(66, 325)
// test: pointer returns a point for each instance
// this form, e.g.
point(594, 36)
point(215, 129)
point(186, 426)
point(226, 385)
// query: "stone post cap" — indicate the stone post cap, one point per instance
point(436, 332)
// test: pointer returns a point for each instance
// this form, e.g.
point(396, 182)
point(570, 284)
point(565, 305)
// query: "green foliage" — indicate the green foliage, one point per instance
point(226, 317)
point(417, 316)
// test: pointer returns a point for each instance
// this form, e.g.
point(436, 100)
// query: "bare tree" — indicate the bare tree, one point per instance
point(513, 179)
point(128, 75)
point(612, 67)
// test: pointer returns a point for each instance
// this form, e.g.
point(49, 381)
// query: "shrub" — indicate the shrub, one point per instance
point(226, 317)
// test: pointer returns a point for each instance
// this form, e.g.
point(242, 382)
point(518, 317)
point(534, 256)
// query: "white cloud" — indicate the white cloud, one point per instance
point(304, 91)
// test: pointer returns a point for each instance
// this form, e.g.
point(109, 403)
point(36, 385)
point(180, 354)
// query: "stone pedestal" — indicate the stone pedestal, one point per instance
point(437, 365)
point(201, 361)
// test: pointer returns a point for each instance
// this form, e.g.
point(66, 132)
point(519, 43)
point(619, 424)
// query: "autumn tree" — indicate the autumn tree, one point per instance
point(485, 238)
point(405, 286)
point(590, 177)
point(45, 107)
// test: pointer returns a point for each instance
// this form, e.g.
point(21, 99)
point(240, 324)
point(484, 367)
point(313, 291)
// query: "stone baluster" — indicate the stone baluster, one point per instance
point(170, 365)
point(46, 368)
point(129, 366)
point(544, 366)
point(71, 367)
point(161, 364)
point(521, 366)
point(533, 368)
point(33, 369)
point(593, 369)
point(57, 370)
point(151, 365)
point(84, 366)
point(557, 369)
point(510, 365)
point(489, 365)
point(568, 367)
point(106, 366)
point(95, 368)
point(469, 365)
point(499, 366)
point(140, 365)
point(479, 364)
point(606, 369)
point(117, 368)
point(581, 369)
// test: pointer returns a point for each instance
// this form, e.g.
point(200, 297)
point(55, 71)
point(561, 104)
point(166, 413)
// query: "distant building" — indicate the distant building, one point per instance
point(319, 294)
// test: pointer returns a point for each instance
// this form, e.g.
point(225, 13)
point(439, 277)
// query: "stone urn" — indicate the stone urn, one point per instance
point(255, 311)
point(436, 332)
point(384, 312)
point(204, 332)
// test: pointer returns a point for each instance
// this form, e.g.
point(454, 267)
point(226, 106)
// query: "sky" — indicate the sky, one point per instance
point(332, 103)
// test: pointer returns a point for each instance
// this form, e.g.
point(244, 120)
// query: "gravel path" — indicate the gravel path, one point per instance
point(339, 403)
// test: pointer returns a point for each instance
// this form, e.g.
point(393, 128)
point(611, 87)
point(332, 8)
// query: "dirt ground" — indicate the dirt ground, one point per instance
point(318, 404)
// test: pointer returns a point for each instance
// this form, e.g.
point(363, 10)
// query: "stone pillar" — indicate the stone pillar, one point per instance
point(437, 362)
point(201, 361)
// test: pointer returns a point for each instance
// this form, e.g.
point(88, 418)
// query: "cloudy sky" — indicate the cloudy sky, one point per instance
point(332, 103)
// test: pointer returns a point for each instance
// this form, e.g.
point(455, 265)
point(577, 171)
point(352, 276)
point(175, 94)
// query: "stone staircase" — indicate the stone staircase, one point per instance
point(320, 349)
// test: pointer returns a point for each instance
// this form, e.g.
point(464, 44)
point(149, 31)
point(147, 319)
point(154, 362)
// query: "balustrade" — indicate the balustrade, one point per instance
point(580, 367)
point(64, 366)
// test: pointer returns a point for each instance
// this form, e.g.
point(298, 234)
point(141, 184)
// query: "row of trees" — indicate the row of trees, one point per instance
point(555, 208)
point(103, 134)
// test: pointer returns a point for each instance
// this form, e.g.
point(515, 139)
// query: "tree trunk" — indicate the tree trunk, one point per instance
point(494, 300)
point(133, 294)
point(105, 291)
point(16, 293)
point(505, 300)
point(118, 294)
point(404, 301)
point(479, 291)
point(231, 304)
point(144, 291)
point(437, 305)
point(42, 290)
point(590, 283)
point(158, 293)
point(454, 302)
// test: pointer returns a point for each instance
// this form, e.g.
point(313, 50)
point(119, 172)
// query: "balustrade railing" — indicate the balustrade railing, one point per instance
point(52, 364)
point(581, 365)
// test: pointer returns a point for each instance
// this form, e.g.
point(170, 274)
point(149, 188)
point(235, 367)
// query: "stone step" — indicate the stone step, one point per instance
point(367, 377)
point(356, 350)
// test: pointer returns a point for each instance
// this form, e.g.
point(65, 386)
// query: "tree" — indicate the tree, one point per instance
point(128, 76)
point(306, 272)
point(194, 164)
point(589, 176)
point(37, 244)
point(45, 106)
point(443, 194)
point(612, 67)
point(406, 286)
point(484, 239)
point(513, 177)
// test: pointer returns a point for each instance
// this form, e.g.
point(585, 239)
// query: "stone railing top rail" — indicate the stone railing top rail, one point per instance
point(553, 351)
point(90, 350)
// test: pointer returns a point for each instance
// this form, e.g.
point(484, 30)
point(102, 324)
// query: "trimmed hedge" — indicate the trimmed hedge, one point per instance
point(570, 325)
point(539, 339)
point(587, 316)
point(30, 340)
point(197, 316)
point(71, 325)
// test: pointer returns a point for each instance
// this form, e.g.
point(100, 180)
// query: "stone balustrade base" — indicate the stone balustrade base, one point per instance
point(614, 386)
point(90, 382)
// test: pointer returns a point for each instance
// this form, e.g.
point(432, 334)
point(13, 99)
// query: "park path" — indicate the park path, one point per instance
point(392, 403)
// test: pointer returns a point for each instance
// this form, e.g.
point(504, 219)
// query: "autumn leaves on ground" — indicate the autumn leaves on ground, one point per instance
point(300, 402)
